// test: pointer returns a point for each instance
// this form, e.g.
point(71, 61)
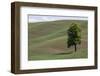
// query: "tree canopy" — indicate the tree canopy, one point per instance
point(74, 35)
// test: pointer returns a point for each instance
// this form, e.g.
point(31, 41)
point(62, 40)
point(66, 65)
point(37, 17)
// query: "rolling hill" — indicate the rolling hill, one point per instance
point(48, 40)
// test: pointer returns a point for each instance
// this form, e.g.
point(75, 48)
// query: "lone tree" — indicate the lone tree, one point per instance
point(74, 36)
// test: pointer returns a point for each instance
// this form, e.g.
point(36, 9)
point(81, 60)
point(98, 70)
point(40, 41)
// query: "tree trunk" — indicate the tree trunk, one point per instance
point(75, 48)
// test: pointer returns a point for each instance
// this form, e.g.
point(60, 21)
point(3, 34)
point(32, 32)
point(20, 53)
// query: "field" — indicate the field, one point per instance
point(48, 40)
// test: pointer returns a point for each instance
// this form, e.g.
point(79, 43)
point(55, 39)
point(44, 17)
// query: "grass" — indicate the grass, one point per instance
point(48, 40)
point(68, 55)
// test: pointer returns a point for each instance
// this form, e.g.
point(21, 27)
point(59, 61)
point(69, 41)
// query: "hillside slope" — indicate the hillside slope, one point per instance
point(48, 40)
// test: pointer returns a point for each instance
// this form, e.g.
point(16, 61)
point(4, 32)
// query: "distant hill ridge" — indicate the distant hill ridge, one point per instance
point(56, 21)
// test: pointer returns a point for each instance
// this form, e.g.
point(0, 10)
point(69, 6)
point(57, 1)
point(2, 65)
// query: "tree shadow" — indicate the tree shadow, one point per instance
point(64, 53)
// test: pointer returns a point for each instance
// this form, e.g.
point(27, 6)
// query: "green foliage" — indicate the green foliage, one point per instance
point(74, 35)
